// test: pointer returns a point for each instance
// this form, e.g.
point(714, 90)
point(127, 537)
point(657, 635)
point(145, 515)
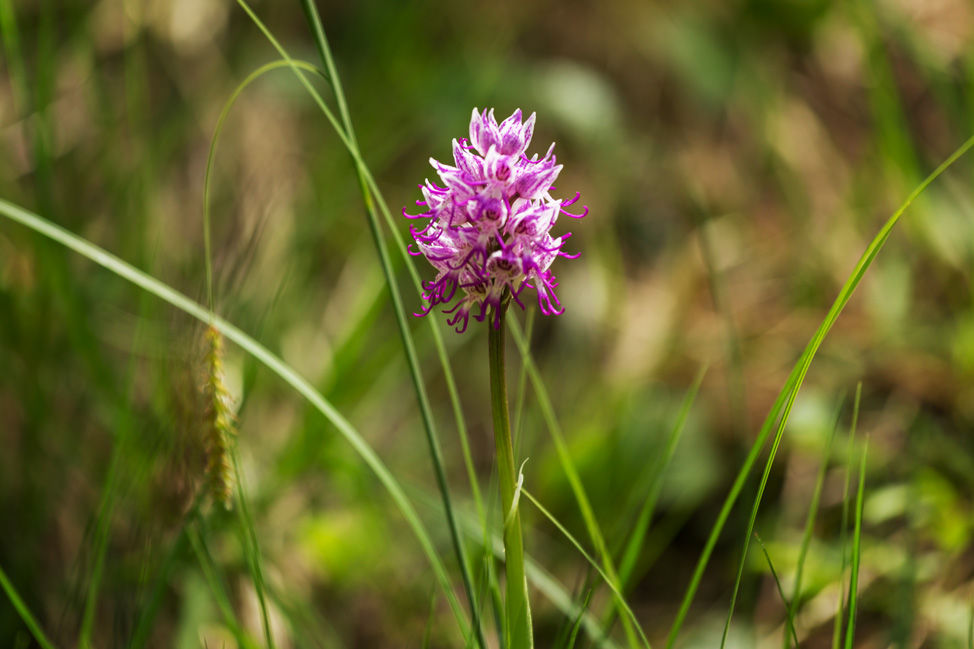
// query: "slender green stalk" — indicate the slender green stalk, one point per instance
point(578, 546)
point(837, 626)
point(24, 612)
point(781, 592)
point(149, 607)
point(252, 552)
point(856, 553)
point(578, 619)
point(102, 524)
point(635, 544)
point(519, 632)
point(810, 524)
point(970, 627)
point(215, 580)
point(638, 535)
point(571, 472)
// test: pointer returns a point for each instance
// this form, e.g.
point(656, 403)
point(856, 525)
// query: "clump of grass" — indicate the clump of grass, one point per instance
point(219, 423)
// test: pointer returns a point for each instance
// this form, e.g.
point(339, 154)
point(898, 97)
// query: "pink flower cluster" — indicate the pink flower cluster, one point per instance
point(489, 226)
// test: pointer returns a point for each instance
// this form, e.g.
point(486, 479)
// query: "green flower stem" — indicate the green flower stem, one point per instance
point(519, 633)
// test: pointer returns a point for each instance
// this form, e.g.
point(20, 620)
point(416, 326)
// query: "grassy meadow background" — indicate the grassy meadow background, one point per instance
point(736, 157)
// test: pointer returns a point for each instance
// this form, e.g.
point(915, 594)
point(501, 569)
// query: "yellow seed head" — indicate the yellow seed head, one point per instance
point(219, 422)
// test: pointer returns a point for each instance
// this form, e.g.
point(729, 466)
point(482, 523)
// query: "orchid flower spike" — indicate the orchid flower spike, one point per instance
point(489, 225)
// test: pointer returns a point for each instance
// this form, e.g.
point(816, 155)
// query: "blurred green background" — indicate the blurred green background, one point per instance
point(736, 157)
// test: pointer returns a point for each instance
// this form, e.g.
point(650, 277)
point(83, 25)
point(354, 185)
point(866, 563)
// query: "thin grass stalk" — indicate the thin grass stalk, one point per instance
point(635, 543)
point(102, 524)
point(810, 523)
point(215, 581)
point(856, 552)
point(518, 619)
point(103, 521)
point(223, 471)
point(781, 591)
point(726, 509)
point(349, 138)
point(578, 620)
point(24, 612)
point(571, 472)
point(837, 623)
point(754, 509)
point(207, 246)
point(252, 552)
point(652, 497)
point(592, 562)
point(970, 626)
point(428, 633)
point(147, 613)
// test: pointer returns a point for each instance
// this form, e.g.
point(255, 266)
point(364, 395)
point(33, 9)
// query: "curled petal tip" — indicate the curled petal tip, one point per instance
point(575, 216)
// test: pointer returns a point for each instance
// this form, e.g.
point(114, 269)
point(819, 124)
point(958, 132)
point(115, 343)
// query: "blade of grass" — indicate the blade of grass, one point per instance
point(578, 620)
point(252, 551)
point(810, 521)
point(496, 603)
point(794, 382)
point(196, 538)
point(568, 465)
point(736, 392)
point(856, 552)
point(102, 523)
point(262, 354)
point(148, 611)
point(305, 620)
point(970, 627)
point(25, 615)
point(207, 174)
point(837, 625)
point(592, 562)
point(428, 634)
point(638, 535)
point(781, 592)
